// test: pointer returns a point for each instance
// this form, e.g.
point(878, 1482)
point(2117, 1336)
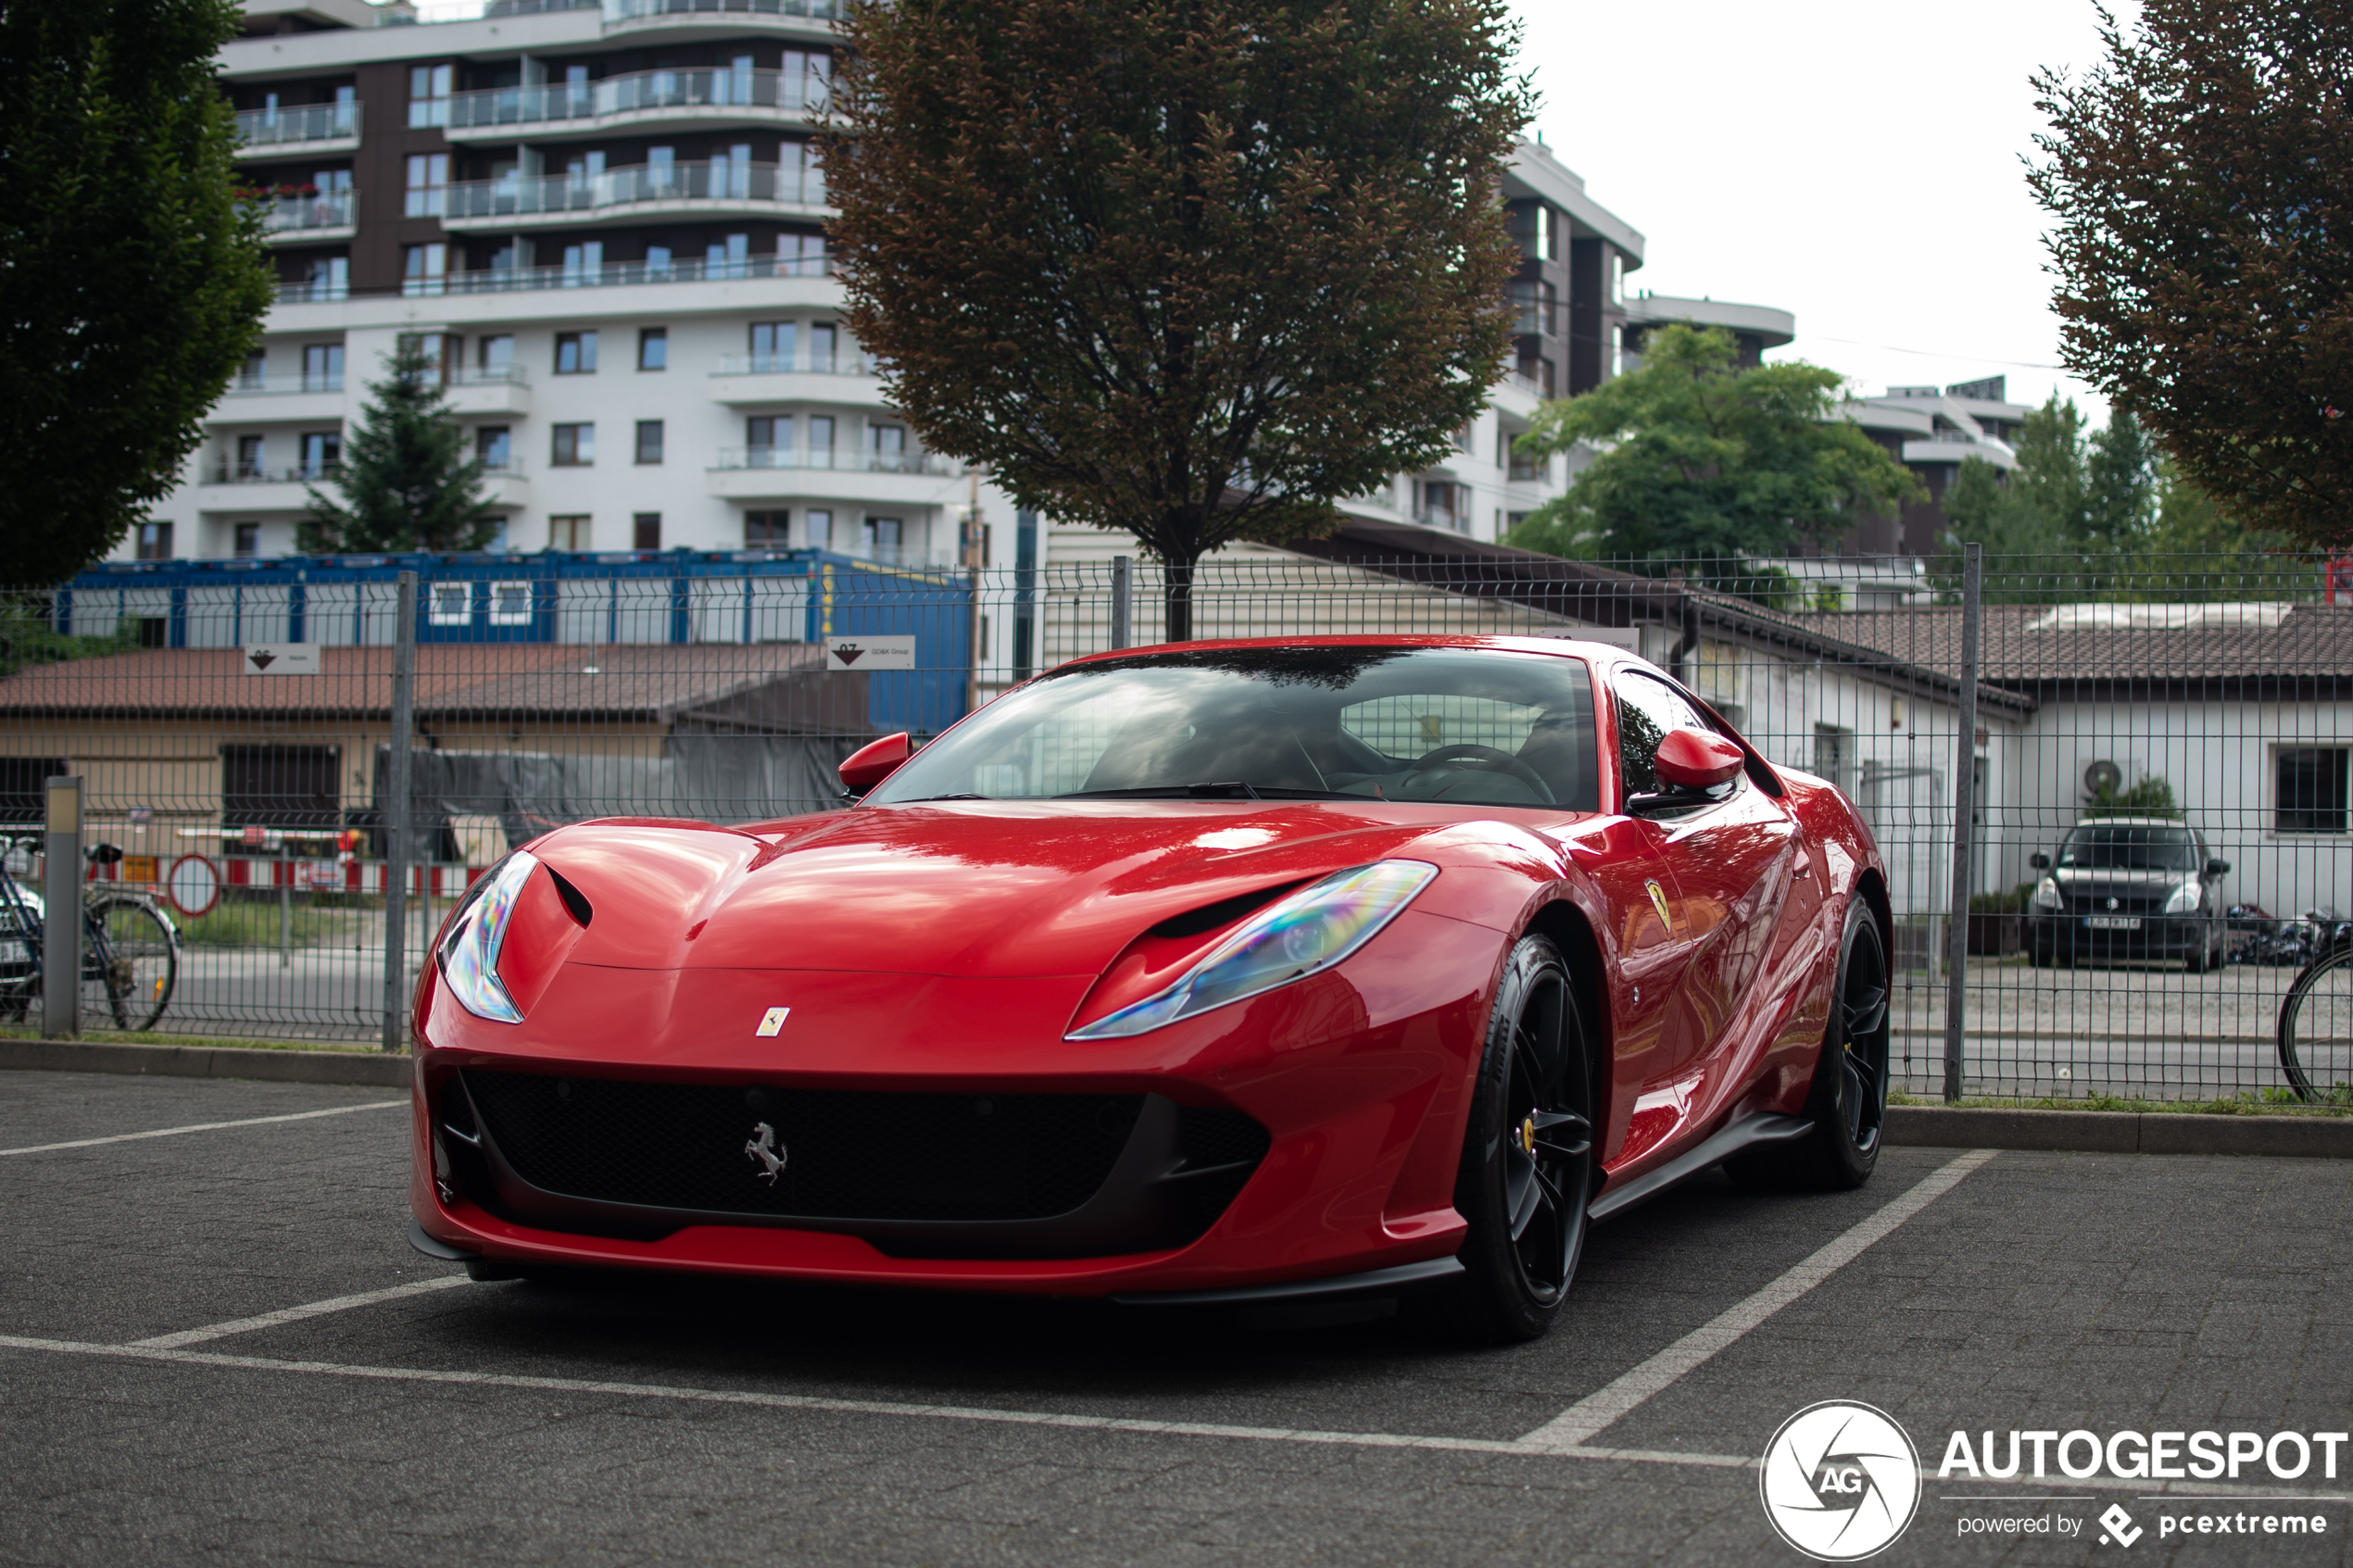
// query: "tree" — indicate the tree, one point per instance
point(2202, 180)
point(2067, 521)
point(1193, 268)
point(133, 280)
point(1699, 460)
point(405, 472)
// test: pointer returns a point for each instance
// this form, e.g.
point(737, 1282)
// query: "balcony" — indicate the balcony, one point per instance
point(311, 128)
point(329, 214)
point(615, 274)
point(475, 390)
point(639, 191)
point(228, 470)
point(773, 378)
point(842, 462)
point(682, 99)
point(307, 400)
point(503, 484)
point(313, 292)
point(753, 473)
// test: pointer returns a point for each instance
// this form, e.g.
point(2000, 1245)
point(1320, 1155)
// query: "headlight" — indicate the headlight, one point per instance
point(470, 953)
point(1313, 929)
point(2184, 901)
point(2047, 893)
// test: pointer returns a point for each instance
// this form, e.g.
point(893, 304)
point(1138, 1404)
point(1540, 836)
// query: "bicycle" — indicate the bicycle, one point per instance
point(129, 950)
point(2316, 1017)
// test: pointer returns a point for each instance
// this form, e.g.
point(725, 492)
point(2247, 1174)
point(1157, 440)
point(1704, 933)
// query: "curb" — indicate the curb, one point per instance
point(207, 1061)
point(2119, 1132)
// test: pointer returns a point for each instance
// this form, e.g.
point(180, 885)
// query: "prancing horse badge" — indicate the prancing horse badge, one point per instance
point(1658, 902)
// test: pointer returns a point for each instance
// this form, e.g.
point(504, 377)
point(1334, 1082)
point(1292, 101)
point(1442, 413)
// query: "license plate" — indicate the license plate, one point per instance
point(2113, 923)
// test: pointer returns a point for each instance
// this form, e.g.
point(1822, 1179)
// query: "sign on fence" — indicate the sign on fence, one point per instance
point(279, 659)
point(870, 653)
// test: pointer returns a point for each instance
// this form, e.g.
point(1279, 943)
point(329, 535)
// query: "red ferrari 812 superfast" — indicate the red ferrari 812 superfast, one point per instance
point(1222, 971)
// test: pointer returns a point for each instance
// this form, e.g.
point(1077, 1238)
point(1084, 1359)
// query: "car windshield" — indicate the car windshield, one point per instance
point(2116, 847)
point(1461, 725)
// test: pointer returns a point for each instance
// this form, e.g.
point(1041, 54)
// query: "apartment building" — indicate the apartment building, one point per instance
point(606, 223)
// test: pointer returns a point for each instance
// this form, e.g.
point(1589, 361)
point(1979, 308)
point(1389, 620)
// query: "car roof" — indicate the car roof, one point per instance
point(1558, 647)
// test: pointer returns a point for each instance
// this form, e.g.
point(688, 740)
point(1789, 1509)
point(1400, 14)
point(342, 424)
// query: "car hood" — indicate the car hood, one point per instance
point(995, 887)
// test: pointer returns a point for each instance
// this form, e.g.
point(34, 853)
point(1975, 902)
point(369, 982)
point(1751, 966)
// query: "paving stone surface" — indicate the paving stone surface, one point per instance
point(2044, 1292)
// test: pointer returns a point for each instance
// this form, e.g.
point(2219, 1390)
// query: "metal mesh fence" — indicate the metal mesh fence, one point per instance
point(2138, 727)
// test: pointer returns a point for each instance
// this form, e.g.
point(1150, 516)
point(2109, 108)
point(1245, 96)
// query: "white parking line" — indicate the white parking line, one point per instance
point(1578, 1426)
point(205, 1127)
point(295, 1314)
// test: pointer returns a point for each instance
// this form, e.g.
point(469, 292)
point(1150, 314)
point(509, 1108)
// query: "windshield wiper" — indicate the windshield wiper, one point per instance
point(1168, 792)
point(965, 795)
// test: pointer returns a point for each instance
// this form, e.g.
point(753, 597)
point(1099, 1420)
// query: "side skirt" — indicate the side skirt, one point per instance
point(1738, 1138)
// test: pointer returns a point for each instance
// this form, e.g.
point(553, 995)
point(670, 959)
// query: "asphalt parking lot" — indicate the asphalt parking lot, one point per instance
point(161, 1399)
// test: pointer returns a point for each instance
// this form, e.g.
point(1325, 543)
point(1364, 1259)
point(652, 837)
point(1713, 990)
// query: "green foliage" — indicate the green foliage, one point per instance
point(405, 474)
point(1193, 268)
point(29, 637)
point(2010, 903)
point(132, 282)
point(1699, 460)
point(2198, 177)
point(2153, 796)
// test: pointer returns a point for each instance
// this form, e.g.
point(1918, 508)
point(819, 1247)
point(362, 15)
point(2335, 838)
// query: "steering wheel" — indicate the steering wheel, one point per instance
point(1502, 762)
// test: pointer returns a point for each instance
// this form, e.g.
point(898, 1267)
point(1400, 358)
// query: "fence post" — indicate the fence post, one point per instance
point(61, 926)
point(1964, 810)
point(1122, 600)
point(394, 811)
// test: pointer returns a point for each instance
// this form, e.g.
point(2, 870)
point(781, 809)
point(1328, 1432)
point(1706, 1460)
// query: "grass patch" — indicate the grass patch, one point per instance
point(2271, 1102)
point(207, 1042)
point(253, 922)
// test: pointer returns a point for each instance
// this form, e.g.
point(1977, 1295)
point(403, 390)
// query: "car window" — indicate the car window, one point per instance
point(1461, 725)
point(2125, 847)
point(1647, 709)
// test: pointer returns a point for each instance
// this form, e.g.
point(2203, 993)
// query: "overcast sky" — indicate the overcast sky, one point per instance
point(1855, 163)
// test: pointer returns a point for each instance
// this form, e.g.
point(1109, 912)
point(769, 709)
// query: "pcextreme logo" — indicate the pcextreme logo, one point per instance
point(1841, 1481)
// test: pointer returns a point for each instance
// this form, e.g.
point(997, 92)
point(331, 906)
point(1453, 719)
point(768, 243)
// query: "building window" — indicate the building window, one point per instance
point(584, 264)
point(1538, 374)
point(1534, 300)
point(1465, 438)
point(820, 440)
point(767, 530)
point(246, 537)
point(495, 353)
point(821, 338)
point(818, 524)
point(155, 541)
point(494, 448)
point(511, 604)
point(769, 436)
point(424, 269)
point(575, 353)
point(653, 348)
point(322, 454)
point(322, 367)
point(1617, 350)
point(327, 277)
point(428, 97)
point(281, 787)
point(441, 352)
point(427, 193)
point(252, 457)
point(772, 347)
point(649, 440)
point(575, 447)
point(645, 530)
point(889, 446)
point(801, 256)
point(881, 538)
point(451, 604)
point(568, 532)
point(1531, 225)
point(2311, 796)
point(255, 375)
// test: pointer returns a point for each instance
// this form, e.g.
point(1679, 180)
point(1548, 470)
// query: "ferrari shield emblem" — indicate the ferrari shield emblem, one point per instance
point(1658, 902)
point(772, 1022)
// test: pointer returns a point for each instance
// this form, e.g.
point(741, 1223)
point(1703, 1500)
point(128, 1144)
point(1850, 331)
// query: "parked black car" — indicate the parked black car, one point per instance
point(2128, 888)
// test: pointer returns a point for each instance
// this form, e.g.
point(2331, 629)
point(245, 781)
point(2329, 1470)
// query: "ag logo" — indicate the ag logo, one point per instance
point(1841, 1481)
point(1658, 902)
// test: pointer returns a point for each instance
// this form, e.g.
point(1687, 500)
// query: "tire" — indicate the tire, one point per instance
point(1528, 1163)
point(2199, 961)
point(143, 963)
point(1848, 1101)
point(2315, 1030)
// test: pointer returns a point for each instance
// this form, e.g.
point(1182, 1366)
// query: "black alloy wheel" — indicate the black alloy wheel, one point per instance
point(1528, 1165)
point(1848, 1101)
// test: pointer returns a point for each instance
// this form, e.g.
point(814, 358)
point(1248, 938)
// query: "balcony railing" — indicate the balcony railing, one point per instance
point(845, 362)
point(248, 385)
point(229, 471)
point(556, 102)
point(306, 122)
point(515, 196)
point(486, 375)
point(616, 12)
point(737, 457)
point(313, 291)
point(1432, 517)
point(328, 209)
point(612, 275)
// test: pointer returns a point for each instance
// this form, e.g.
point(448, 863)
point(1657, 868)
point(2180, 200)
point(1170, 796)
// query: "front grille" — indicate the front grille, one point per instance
point(849, 1155)
point(2131, 900)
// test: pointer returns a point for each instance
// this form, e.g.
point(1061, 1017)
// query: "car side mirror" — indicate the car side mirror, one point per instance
point(2218, 868)
point(870, 764)
point(104, 854)
point(1695, 759)
point(2039, 861)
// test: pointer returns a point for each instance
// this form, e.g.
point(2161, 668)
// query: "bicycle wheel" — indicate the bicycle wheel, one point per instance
point(133, 960)
point(2316, 1029)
